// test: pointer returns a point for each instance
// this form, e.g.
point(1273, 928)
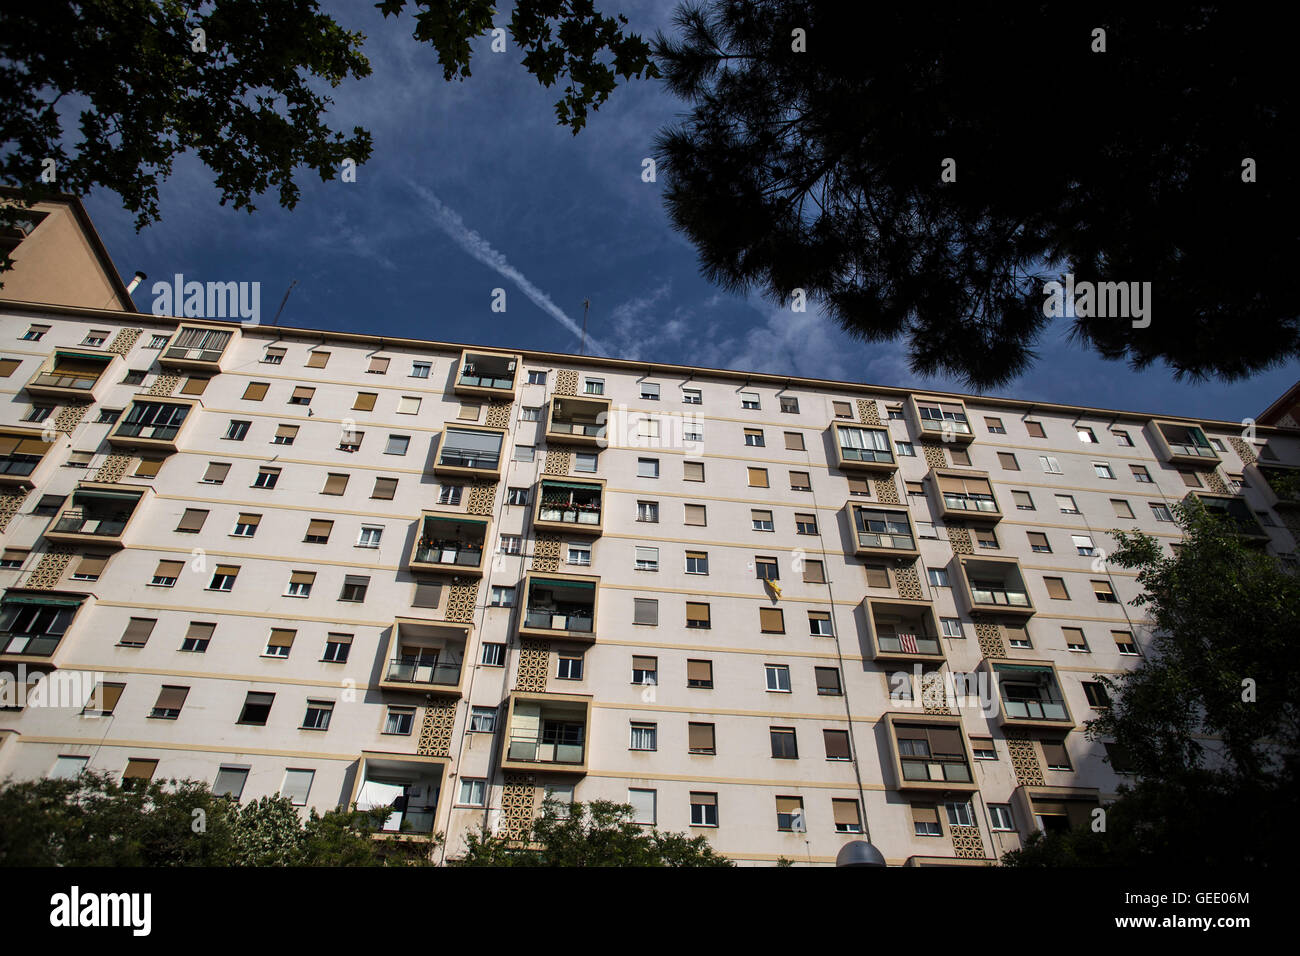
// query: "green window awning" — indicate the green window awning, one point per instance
point(109, 495)
point(455, 519)
point(577, 486)
point(576, 585)
point(55, 601)
point(93, 356)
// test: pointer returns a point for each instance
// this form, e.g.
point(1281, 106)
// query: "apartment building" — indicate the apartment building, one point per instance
point(457, 580)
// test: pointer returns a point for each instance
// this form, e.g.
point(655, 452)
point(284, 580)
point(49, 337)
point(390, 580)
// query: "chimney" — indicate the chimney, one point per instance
point(135, 281)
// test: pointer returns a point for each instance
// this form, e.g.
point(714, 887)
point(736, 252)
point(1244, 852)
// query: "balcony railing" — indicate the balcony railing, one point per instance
point(884, 456)
point(469, 376)
point(933, 420)
point(1004, 596)
point(932, 768)
point(77, 522)
point(558, 621)
point(955, 502)
point(533, 748)
point(449, 553)
point(1041, 709)
point(469, 458)
point(1201, 451)
point(561, 427)
point(79, 381)
point(898, 644)
point(569, 514)
point(19, 465)
point(417, 672)
point(900, 542)
point(142, 430)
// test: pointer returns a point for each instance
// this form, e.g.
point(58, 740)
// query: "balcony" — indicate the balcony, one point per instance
point(99, 516)
point(425, 656)
point(577, 421)
point(902, 631)
point(151, 425)
point(197, 348)
point(959, 495)
point(1029, 695)
point(465, 451)
point(486, 374)
point(1183, 445)
point(560, 607)
point(930, 753)
point(1054, 809)
point(409, 784)
point(1280, 485)
point(570, 507)
point(994, 585)
point(882, 531)
point(21, 452)
point(70, 376)
point(944, 419)
point(1236, 511)
point(33, 622)
point(450, 542)
point(546, 732)
point(862, 449)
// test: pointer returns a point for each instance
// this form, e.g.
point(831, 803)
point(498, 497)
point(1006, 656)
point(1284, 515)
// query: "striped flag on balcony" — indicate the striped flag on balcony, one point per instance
point(908, 641)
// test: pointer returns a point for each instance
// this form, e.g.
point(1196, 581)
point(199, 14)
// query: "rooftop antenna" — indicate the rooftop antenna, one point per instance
point(276, 320)
point(586, 304)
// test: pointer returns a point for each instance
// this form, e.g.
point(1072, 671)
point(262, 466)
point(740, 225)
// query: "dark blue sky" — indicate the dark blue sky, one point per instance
point(472, 187)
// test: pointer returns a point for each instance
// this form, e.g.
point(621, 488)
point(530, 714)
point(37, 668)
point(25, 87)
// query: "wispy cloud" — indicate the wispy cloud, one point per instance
point(450, 222)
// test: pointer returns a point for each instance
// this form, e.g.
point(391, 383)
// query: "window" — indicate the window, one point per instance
point(950, 626)
point(959, 813)
point(647, 467)
point(960, 456)
point(837, 744)
point(38, 413)
point(569, 667)
point(133, 377)
point(354, 588)
point(13, 558)
point(469, 411)
point(848, 816)
point(1104, 594)
point(426, 594)
point(1008, 461)
point(646, 559)
point(473, 792)
point(48, 506)
point(1035, 429)
point(757, 477)
point(828, 681)
point(819, 624)
point(365, 401)
point(318, 531)
point(692, 396)
point(1038, 542)
point(789, 814)
point(784, 745)
point(223, 579)
point(255, 391)
point(647, 511)
point(148, 467)
point(399, 720)
point(994, 425)
point(877, 576)
point(1017, 635)
point(895, 412)
point(645, 611)
point(915, 489)
point(317, 359)
point(103, 699)
point(1067, 505)
point(494, 655)
point(938, 577)
point(1050, 465)
point(137, 632)
point(584, 461)
point(1125, 643)
point(107, 416)
point(1074, 639)
point(397, 445)
point(644, 737)
point(266, 477)
point(1121, 508)
point(370, 536)
point(337, 648)
point(169, 703)
point(1140, 474)
point(1056, 589)
point(579, 554)
point(1122, 439)
point(230, 782)
point(300, 583)
point(805, 523)
point(302, 395)
point(68, 768)
point(236, 430)
point(502, 596)
point(1083, 544)
point(34, 333)
point(385, 489)
point(246, 525)
point(1190, 478)
point(522, 453)
point(1023, 501)
point(1055, 756)
point(594, 386)
point(166, 573)
point(790, 404)
point(778, 678)
point(88, 568)
point(754, 438)
point(482, 720)
point(650, 391)
point(749, 400)
point(216, 473)
point(378, 365)
point(766, 569)
point(1095, 691)
point(986, 538)
point(257, 708)
point(531, 413)
point(692, 432)
point(925, 820)
point(692, 471)
point(198, 384)
point(982, 748)
point(643, 806)
point(704, 809)
point(1102, 470)
point(536, 377)
point(1161, 512)
point(274, 355)
point(1218, 444)
point(814, 572)
point(517, 496)
point(800, 481)
point(296, 786)
point(699, 674)
point(697, 615)
point(761, 520)
point(1085, 435)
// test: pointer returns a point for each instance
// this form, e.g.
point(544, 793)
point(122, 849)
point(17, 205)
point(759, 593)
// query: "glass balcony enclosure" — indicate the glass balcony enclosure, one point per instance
point(196, 347)
point(410, 786)
point(547, 732)
point(930, 752)
point(449, 542)
point(21, 452)
point(97, 514)
point(966, 495)
point(570, 506)
point(1235, 510)
point(149, 423)
point(995, 585)
point(486, 373)
point(70, 375)
point(33, 623)
point(559, 607)
point(1030, 693)
point(882, 530)
point(577, 420)
point(470, 451)
point(425, 656)
point(944, 419)
point(864, 448)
